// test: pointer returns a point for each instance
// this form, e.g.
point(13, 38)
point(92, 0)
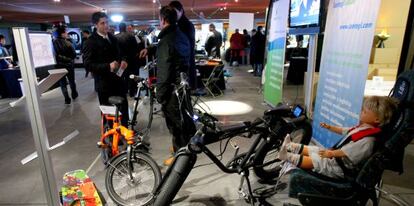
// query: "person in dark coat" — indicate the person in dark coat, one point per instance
point(213, 42)
point(85, 35)
point(65, 56)
point(129, 46)
point(188, 29)
point(101, 56)
point(173, 57)
point(257, 47)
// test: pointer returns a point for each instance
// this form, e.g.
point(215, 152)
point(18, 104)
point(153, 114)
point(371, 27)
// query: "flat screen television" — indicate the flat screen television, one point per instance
point(304, 13)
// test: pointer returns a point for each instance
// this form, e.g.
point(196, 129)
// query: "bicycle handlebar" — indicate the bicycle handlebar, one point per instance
point(148, 65)
point(136, 78)
point(205, 137)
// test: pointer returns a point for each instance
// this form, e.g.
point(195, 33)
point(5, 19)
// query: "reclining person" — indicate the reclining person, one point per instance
point(356, 146)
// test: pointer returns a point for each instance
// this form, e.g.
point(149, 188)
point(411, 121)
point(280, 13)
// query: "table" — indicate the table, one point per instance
point(297, 68)
point(205, 69)
point(382, 88)
point(9, 86)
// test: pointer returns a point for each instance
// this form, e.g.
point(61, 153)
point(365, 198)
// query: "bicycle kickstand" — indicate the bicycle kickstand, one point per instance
point(249, 195)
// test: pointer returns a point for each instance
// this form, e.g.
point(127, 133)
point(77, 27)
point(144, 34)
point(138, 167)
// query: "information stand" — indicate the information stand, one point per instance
point(44, 84)
point(32, 92)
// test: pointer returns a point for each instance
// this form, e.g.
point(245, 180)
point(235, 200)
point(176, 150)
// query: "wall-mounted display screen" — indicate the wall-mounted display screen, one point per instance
point(304, 13)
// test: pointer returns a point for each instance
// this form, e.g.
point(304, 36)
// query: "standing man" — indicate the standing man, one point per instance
point(214, 42)
point(65, 56)
point(85, 35)
point(257, 47)
point(188, 29)
point(102, 57)
point(129, 46)
point(173, 56)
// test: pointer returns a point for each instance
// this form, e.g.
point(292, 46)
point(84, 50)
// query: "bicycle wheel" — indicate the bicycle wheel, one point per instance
point(145, 114)
point(266, 165)
point(139, 191)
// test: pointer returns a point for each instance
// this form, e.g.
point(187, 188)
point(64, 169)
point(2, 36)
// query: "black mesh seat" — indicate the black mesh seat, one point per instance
point(359, 185)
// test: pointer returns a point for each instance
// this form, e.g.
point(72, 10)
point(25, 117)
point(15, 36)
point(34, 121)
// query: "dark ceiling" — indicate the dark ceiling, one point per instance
point(47, 11)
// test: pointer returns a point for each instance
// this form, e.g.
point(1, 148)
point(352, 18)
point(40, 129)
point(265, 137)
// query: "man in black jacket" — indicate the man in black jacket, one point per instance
point(188, 29)
point(173, 57)
point(65, 55)
point(213, 42)
point(129, 46)
point(103, 58)
point(258, 47)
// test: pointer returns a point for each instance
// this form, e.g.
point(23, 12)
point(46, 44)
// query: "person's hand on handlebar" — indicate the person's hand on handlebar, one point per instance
point(143, 53)
point(114, 66)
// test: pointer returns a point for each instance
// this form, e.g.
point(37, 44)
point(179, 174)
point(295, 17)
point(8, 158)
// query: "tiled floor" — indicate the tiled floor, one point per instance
point(206, 185)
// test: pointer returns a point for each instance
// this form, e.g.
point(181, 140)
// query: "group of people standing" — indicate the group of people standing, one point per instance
point(105, 55)
point(112, 58)
point(244, 45)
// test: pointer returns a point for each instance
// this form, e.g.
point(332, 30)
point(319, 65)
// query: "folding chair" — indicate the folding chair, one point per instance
point(210, 83)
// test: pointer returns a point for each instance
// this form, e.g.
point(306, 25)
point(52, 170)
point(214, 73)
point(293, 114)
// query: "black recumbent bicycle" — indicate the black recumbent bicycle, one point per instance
point(261, 156)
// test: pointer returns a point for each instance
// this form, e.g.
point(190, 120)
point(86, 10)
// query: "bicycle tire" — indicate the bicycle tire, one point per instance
point(118, 167)
point(267, 152)
point(174, 179)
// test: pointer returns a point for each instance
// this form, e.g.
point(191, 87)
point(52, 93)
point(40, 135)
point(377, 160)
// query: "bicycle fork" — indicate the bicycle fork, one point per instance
point(129, 161)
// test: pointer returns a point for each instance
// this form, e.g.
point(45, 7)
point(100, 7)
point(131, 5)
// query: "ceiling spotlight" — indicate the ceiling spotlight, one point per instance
point(257, 12)
point(154, 1)
point(221, 8)
point(236, 0)
point(117, 18)
point(56, 0)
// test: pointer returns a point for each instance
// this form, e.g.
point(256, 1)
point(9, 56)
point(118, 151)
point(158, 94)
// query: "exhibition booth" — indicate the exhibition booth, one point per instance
point(335, 53)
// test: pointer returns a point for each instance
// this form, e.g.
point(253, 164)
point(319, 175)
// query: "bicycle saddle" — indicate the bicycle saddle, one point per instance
point(116, 100)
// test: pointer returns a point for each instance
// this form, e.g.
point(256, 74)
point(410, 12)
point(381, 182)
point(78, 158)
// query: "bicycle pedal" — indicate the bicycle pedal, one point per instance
point(234, 145)
point(100, 145)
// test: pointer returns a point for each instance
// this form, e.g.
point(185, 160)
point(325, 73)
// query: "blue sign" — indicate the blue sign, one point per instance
point(347, 44)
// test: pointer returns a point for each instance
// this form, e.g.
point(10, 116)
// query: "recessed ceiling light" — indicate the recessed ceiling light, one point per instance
point(56, 0)
point(154, 1)
point(117, 18)
point(236, 0)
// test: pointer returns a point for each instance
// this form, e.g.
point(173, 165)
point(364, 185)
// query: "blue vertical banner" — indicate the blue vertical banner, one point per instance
point(349, 34)
point(276, 51)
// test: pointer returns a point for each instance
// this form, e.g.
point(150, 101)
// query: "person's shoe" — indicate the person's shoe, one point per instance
point(172, 152)
point(282, 155)
point(75, 95)
point(169, 161)
point(67, 100)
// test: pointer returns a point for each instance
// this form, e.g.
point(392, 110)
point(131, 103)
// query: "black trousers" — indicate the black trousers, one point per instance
point(179, 123)
point(104, 100)
point(64, 81)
